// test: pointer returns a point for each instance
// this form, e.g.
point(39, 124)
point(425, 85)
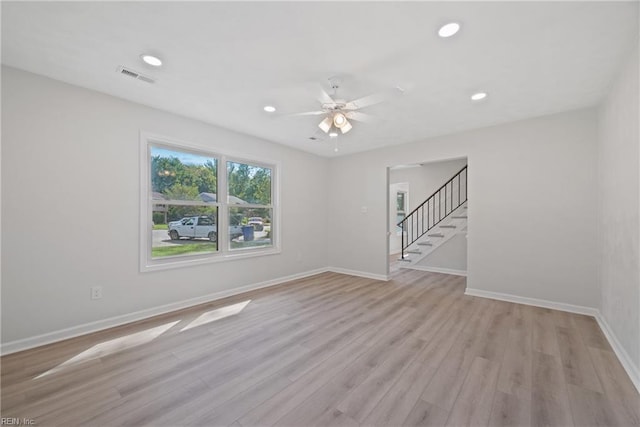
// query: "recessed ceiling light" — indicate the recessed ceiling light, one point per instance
point(449, 29)
point(269, 108)
point(478, 96)
point(151, 60)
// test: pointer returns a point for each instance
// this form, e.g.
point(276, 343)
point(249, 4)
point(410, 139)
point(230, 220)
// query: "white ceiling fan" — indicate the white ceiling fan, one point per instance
point(338, 112)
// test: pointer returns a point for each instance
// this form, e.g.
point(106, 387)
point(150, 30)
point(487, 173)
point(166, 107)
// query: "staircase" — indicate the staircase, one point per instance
point(440, 217)
point(454, 224)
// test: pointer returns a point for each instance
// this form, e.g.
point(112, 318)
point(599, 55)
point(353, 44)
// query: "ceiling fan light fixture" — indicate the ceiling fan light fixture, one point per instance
point(346, 127)
point(339, 120)
point(325, 125)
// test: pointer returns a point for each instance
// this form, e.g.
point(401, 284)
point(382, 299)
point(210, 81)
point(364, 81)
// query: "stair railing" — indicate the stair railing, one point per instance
point(434, 209)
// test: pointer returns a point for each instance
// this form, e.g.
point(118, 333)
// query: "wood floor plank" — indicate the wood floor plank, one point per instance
point(549, 398)
point(327, 398)
point(331, 349)
point(440, 343)
point(322, 402)
point(516, 368)
point(564, 319)
point(51, 411)
point(497, 333)
point(360, 401)
point(576, 361)
point(281, 403)
point(425, 414)
point(474, 402)
point(216, 412)
point(335, 418)
point(509, 411)
point(143, 404)
point(544, 336)
point(451, 373)
point(522, 318)
point(590, 408)
point(247, 375)
point(396, 405)
point(590, 332)
point(356, 359)
point(614, 379)
point(617, 386)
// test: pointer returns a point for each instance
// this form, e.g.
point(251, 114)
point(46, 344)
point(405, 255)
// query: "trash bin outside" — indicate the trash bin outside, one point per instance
point(247, 233)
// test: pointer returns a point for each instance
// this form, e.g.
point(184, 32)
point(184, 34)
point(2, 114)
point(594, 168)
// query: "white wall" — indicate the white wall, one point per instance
point(532, 204)
point(426, 179)
point(619, 206)
point(70, 206)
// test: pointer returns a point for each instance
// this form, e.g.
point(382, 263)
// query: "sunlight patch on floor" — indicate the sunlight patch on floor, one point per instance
point(112, 346)
point(217, 314)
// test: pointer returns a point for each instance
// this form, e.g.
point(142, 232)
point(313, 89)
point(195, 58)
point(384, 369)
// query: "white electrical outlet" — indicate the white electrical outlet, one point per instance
point(96, 292)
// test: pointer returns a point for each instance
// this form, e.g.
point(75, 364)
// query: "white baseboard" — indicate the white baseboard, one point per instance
point(589, 311)
point(74, 331)
point(436, 270)
point(632, 370)
point(359, 273)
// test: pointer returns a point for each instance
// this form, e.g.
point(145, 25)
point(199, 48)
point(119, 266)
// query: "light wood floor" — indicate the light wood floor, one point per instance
point(332, 350)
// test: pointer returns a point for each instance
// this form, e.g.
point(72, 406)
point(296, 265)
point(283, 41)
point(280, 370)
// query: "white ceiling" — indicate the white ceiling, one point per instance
point(224, 61)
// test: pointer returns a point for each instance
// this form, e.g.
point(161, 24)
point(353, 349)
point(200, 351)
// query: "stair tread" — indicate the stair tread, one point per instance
point(448, 226)
point(425, 244)
point(436, 235)
point(414, 251)
point(460, 217)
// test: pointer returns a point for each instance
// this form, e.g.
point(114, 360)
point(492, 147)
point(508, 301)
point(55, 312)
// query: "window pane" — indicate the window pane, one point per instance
point(400, 201)
point(183, 230)
point(248, 184)
point(249, 227)
point(181, 175)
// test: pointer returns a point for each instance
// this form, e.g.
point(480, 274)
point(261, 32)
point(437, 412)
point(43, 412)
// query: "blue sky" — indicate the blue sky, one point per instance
point(185, 158)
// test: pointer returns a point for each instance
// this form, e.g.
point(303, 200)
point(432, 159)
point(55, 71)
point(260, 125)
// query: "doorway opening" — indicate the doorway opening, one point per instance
point(444, 248)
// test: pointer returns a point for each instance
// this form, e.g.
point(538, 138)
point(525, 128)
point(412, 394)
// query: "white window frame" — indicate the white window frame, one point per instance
point(223, 253)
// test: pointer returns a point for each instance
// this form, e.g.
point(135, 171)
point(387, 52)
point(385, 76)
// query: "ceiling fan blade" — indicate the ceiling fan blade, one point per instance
point(324, 97)
point(372, 99)
point(360, 117)
point(306, 113)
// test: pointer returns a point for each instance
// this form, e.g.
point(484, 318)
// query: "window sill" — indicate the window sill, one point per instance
point(175, 262)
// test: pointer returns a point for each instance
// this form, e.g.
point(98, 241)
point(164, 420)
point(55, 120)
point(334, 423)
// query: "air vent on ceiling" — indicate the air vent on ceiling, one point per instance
point(134, 74)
